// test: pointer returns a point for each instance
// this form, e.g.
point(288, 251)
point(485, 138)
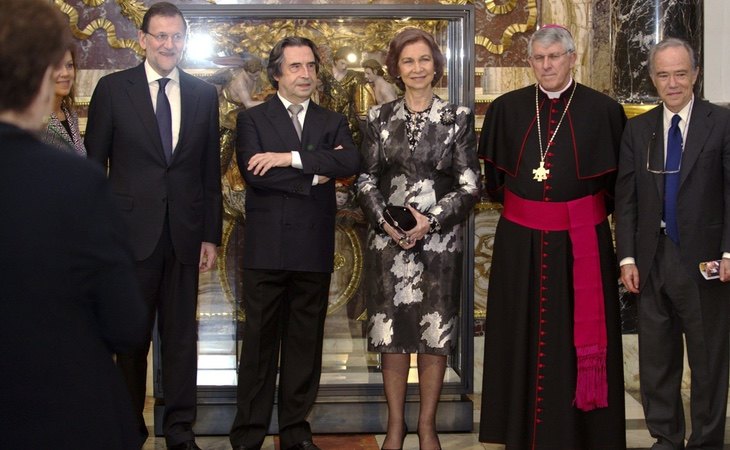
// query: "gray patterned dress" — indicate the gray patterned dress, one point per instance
point(427, 160)
point(58, 135)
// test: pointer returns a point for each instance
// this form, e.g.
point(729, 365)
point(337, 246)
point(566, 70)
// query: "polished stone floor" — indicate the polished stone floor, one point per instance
point(636, 435)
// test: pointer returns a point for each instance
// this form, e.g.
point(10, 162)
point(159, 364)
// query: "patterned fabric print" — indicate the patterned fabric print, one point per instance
point(408, 272)
point(427, 160)
point(436, 333)
point(57, 136)
point(414, 126)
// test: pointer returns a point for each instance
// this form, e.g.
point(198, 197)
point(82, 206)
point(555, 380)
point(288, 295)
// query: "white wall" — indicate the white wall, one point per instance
point(717, 50)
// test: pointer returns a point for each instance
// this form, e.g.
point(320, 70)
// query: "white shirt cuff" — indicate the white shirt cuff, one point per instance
point(627, 260)
point(296, 161)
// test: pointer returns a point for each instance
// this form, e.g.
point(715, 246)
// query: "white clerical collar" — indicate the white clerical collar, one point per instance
point(557, 94)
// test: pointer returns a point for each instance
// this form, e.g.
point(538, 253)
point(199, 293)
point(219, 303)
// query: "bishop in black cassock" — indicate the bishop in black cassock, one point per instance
point(553, 372)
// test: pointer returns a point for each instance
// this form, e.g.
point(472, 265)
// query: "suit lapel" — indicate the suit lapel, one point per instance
point(698, 131)
point(139, 93)
point(397, 126)
point(189, 98)
point(655, 140)
point(314, 124)
point(54, 124)
point(281, 122)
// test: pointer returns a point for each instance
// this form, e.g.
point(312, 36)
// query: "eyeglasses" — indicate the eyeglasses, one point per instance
point(539, 59)
point(658, 159)
point(161, 38)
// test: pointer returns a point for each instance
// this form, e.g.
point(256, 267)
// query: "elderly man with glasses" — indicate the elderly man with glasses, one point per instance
point(553, 375)
point(672, 215)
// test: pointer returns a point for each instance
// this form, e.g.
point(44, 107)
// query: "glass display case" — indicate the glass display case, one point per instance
point(228, 46)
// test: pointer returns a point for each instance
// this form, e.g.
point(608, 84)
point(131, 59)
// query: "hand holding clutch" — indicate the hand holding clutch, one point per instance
point(400, 218)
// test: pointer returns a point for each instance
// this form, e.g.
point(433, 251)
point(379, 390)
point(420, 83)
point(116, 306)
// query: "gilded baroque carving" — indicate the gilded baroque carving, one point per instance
point(257, 39)
point(96, 24)
point(504, 8)
point(486, 216)
point(493, 8)
point(133, 10)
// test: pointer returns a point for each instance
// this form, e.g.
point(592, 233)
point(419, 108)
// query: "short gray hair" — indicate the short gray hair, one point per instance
point(668, 43)
point(549, 35)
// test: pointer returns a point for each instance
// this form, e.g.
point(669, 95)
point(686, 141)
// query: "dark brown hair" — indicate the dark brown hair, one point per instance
point(34, 36)
point(373, 65)
point(409, 36)
point(69, 100)
point(164, 9)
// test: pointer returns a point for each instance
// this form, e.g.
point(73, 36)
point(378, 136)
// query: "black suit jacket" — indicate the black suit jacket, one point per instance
point(69, 299)
point(290, 223)
point(122, 132)
point(703, 203)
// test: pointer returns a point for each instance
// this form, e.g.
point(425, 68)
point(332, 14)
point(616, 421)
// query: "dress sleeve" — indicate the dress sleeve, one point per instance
point(370, 198)
point(455, 205)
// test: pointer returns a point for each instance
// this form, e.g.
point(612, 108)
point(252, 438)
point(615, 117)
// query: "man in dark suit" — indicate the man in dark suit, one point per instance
point(289, 162)
point(157, 129)
point(672, 213)
point(69, 297)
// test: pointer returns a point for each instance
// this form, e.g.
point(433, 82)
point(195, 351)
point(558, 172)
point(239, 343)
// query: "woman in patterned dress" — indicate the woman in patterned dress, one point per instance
point(63, 126)
point(420, 152)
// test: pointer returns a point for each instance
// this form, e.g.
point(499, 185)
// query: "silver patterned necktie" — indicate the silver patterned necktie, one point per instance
point(295, 110)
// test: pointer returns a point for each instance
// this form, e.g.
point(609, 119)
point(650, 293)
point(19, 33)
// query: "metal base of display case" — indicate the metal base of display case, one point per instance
point(356, 416)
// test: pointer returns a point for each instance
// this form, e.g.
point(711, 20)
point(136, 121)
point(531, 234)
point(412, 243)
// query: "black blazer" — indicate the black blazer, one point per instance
point(69, 300)
point(703, 203)
point(290, 224)
point(122, 132)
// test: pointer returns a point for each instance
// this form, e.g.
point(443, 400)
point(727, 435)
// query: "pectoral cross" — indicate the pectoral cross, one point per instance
point(541, 172)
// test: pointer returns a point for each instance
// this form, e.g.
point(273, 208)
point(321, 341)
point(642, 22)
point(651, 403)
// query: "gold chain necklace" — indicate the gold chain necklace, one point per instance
point(541, 173)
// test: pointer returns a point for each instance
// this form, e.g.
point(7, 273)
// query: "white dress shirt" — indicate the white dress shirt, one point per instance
point(296, 159)
point(173, 95)
point(685, 116)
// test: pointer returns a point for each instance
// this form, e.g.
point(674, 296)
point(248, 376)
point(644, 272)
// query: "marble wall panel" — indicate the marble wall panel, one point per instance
point(639, 25)
point(601, 61)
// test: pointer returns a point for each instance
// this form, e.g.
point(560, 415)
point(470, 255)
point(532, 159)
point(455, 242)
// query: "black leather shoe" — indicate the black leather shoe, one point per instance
point(187, 445)
point(304, 445)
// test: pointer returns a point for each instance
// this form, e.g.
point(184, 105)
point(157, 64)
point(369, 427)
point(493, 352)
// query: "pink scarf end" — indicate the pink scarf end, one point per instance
point(591, 390)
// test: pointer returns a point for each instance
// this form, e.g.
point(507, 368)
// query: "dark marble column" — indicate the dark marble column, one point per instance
point(637, 25)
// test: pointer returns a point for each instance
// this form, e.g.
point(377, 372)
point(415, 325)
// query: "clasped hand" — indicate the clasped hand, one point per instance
point(407, 240)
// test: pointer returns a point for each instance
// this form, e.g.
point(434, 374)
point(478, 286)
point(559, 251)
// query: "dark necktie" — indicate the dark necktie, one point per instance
point(671, 180)
point(164, 119)
point(294, 110)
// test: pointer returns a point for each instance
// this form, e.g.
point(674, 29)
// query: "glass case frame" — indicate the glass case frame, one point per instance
point(360, 407)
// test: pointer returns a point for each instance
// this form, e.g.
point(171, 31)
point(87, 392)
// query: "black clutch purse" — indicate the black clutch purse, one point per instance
point(399, 217)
